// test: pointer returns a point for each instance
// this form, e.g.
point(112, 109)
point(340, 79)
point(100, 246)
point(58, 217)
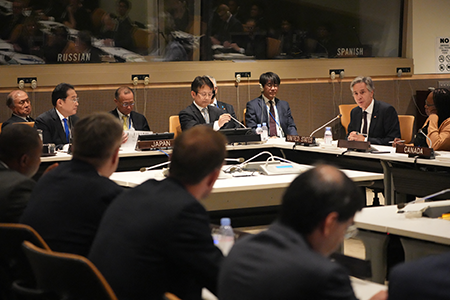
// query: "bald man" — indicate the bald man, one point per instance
point(20, 105)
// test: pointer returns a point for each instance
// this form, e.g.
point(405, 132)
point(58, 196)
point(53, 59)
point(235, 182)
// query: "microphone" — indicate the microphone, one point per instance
point(240, 159)
point(232, 118)
point(426, 136)
point(332, 120)
point(143, 169)
point(424, 199)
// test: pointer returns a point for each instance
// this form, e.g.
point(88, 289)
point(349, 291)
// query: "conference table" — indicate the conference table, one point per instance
point(419, 236)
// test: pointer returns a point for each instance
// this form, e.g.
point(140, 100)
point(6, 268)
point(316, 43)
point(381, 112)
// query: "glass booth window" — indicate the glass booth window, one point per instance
point(95, 31)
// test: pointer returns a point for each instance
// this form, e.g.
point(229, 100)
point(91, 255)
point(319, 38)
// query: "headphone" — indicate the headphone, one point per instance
point(261, 87)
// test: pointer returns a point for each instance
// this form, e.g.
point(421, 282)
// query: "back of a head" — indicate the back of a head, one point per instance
point(315, 194)
point(441, 98)
point(17, 140)
point(96, 137)
point(196, 153)
point(60, 92)
point(269, 77)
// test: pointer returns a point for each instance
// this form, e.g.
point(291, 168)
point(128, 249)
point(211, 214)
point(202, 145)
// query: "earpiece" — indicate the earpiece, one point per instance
point(261, 87)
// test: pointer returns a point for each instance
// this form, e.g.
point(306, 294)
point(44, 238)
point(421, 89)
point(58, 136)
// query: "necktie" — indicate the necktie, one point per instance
point(66, 129)
point(272, 123)
point(125, 122)
point(364, 130)
point(29, 119)
point(205, 115)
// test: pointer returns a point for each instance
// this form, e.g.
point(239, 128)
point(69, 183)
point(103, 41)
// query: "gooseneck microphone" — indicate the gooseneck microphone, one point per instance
point(232, 118)
point(332, 120)
point(426, 136)
point(143, 169)
point(239, 159)
point(423, 199)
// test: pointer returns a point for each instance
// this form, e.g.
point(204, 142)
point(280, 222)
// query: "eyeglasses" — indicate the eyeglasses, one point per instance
point(128, 104)
point(74, 99)
point(24, 101)
point(204, 95)
point(270, 85)
point(428, 104)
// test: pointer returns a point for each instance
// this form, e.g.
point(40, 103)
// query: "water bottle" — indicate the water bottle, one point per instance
point(328, 136)
point(258, 129)
point(226, 239)
point(265, 132)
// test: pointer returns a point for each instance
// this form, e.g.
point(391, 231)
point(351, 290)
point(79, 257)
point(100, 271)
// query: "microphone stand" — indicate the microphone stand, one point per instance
point(332, 120)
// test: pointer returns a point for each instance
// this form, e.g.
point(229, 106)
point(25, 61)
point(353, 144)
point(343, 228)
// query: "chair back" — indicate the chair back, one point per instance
point(344, 110)
point(31, 124)
point(243, 117)
point(406, 127)
point(14, 265)
point(174, 125)
point(67, 275)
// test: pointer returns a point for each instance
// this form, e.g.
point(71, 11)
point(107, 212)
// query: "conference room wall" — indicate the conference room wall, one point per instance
point(312, 102)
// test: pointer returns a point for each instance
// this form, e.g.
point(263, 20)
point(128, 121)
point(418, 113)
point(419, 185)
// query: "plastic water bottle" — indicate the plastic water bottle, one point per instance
point(328, 136)
point(265, 132)
point(226, 239)
point(259, 130)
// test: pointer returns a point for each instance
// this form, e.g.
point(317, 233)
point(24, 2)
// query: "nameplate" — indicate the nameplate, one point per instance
point(153, 145)
point(413, 151)
point(354, 145)
point(302, 140)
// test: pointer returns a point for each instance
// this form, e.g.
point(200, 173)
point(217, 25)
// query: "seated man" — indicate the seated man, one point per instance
point(20, 156)
point(57, 123)
point(290, 259)
point(200, 111)
point(20, 105)
point(268, 109)
point(155, 238)
point(373, 120)
point(124, 99)
point(228, 108)
point(67, 204)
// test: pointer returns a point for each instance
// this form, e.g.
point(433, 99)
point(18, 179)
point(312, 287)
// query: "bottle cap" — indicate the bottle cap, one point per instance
point(264, 124)
point(328, 128)
point(259, 125)
point(225, 222)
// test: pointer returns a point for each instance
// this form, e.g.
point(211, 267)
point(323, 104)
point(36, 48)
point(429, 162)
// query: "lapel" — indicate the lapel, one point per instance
point(58, 125)
point(374, 119)
point(263, 108)
point(198, 115)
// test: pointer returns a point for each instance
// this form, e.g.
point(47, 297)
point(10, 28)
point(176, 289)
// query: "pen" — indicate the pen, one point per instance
point(400, 141)
point(363, 134)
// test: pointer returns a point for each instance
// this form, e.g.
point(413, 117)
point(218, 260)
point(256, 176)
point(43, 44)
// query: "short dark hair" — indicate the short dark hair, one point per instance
point(120, 89)
point(17, 140)
point(441, 99)
point(126, 2)
point(199, 82)
point(60, 92)
point(196, 153)
point(269, 77)
point(316, 193)
point(10, 100)
point(96, 137)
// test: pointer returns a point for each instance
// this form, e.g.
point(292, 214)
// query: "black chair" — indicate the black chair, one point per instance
point(14, 266)
point(68, 276)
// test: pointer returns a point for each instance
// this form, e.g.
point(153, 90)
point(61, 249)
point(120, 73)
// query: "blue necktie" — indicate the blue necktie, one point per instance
point(66, 129)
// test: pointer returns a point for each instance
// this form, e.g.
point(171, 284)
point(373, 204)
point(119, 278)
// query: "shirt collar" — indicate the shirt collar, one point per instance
point(199, 107)
point(25, 118)
point(120, 114)
point(61, 117)
point(369, 108)
point(266, 100)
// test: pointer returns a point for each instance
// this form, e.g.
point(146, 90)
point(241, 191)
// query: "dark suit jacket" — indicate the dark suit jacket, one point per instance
point(384, 125)
point(228, 108)
point(427, 278)
point(52, 129)
point(279, 264)
point(155, 238)
point(191, 116)
point(16, 119)
point(257, 114)
point(67, 204)
point(15, 191)
point(139, 120)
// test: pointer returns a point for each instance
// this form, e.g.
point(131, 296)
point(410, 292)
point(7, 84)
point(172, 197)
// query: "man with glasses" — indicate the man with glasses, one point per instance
point(200, 111)
point(20, 105)
point(57, 123)
point(131, 120)
point(268, 109)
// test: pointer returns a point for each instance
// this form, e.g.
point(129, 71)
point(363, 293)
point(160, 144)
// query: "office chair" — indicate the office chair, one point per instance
point(406, 127)
point(14, 266)
point(67, 275)
point(174, 125)
point(344, 110)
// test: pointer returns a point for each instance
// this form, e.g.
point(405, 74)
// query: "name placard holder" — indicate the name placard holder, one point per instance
point(413, 151)
point(154, 145)
point(302, 140)
point(354, 145)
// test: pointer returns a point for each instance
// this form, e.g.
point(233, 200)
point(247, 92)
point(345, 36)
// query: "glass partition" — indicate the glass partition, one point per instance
point(94, 31)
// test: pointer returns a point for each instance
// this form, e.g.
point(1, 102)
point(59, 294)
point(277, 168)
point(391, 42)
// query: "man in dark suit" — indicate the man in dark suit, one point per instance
point(57, 123)
point(268, 109)
point(67, 203)
point(228, 108)
point(124, 99)
point(20, 105)
point(290, 259)
point(20, 156)
point(373, 120)
point(427, 278)
point(155, 238)
point(200, 111)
